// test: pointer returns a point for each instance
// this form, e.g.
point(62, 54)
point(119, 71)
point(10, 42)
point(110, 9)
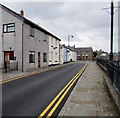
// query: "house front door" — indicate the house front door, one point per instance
point(6, 60)
point(38, 59)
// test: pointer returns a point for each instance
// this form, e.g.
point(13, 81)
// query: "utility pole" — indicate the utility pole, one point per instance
point(111, 35)
point(111, 43)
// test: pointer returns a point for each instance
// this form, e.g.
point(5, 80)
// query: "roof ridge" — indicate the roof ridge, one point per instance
point(30, 22)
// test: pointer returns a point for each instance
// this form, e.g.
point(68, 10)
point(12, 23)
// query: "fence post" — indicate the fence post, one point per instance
point(17, 65)
point(112, 73)
point(5, 67)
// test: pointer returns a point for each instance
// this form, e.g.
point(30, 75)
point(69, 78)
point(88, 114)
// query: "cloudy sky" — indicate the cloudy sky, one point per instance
point(89, 25)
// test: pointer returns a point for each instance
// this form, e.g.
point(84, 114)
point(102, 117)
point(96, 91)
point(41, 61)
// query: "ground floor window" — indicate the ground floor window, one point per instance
point(44, 57)
point(32, 57)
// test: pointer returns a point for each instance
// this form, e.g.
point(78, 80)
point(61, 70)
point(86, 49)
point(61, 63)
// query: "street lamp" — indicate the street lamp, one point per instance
point(69, 36)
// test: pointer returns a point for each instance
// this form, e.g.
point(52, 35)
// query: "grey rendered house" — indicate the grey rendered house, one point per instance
point(23, 41)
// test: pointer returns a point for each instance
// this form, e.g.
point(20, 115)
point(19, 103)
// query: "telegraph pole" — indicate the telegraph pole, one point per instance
point(111, 35)
point(111, 43)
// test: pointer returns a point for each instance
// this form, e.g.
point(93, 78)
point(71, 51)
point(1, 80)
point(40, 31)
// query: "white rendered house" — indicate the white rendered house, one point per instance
point(54, 50)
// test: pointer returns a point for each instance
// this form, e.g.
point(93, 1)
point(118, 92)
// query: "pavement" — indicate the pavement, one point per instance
point(90, 97)
point(15, 73)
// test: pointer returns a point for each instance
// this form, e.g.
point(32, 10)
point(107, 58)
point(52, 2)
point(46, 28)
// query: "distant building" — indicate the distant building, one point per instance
point(116, 56)
point(67, 54)
point(102, 55)
point(84, 53)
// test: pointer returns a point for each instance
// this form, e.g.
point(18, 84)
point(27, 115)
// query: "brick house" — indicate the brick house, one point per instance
point(84, 53)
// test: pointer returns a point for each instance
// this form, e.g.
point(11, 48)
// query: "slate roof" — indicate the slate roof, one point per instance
point(28, 21)
point(83, 49)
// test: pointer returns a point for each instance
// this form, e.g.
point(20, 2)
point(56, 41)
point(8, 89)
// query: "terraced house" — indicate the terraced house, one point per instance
point(67, 54)
point(84, 53)
point(25, 44)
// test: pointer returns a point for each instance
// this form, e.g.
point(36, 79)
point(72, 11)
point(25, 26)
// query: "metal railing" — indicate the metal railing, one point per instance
point(113, 71)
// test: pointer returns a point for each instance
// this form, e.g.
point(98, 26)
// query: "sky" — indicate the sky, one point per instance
point(85, 21)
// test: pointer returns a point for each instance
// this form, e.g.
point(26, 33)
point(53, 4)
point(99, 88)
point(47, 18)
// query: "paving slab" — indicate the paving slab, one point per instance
point(89, 97)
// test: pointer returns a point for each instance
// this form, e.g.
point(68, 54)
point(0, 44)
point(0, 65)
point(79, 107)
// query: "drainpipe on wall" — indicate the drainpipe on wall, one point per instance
point(22, 49)
point(59, 53)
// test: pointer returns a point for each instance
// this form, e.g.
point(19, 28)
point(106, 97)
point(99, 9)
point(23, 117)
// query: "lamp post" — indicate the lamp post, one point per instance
point(69, 36)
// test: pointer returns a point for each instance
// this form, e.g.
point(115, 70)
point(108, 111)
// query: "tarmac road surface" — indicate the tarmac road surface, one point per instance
point(29, 96)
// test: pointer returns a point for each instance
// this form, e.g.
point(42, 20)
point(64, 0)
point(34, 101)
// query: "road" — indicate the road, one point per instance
point(29, 96)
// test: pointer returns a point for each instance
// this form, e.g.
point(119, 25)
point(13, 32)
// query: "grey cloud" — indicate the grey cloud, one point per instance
point(63, 19)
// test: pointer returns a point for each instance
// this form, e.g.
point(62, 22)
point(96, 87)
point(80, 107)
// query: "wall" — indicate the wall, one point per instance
point(13, 40)
point(39, 43)
point(83, 55)
point(61, 54)
point(0, 37)
point(53, 50)
point(65, 54)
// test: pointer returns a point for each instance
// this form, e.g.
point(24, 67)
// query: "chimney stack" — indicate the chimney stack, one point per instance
point(22, 13)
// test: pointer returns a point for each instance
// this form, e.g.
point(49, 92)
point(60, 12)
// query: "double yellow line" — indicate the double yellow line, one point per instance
point(62, 93)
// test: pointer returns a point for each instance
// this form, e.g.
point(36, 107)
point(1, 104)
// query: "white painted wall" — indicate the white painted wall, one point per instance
point(62, 54)
point(53, 50)
point(68, 55)
point(72, 55)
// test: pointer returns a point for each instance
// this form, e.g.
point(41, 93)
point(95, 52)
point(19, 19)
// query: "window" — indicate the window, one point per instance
point(45, 39)
point(44, 57)
point(7, 28)
point(32, 57)
point(32, 31)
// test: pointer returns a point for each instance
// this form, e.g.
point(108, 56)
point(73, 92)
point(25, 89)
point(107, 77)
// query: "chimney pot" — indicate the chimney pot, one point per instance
point(22, 13)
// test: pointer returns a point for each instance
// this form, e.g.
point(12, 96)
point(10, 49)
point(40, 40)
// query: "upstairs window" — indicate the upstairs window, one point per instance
point(32, 31)
point(7, 28)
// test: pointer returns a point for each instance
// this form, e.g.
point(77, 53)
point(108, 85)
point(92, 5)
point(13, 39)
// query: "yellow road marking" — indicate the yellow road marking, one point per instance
point(53, 101)
point(59, 101)
point(12, 79)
